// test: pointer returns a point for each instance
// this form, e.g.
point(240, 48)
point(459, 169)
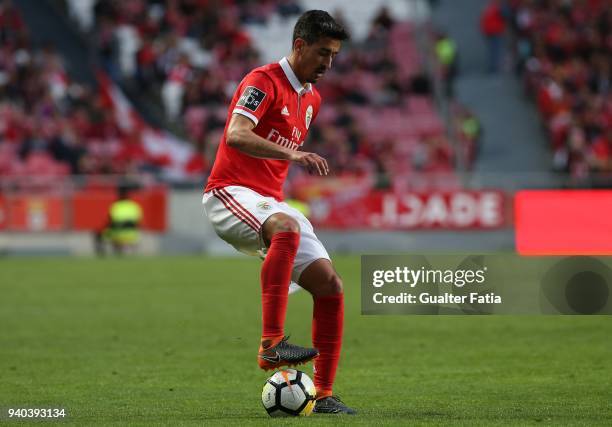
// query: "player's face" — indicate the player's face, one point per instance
point(317, 58)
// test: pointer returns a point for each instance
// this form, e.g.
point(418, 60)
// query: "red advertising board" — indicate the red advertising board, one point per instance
point(412, 210)
point(564, 222)
point(90, 208)
point(36, 213)
point(3, 213)
point(83, 210)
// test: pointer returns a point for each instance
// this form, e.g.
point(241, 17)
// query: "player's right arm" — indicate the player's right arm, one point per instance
point(240, 136)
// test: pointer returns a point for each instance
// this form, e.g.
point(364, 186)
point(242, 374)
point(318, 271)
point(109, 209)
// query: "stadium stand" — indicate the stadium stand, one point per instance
point(34, 89)
point(187, 55)
point(53, 126)
point(379, 116)
point(564, 52)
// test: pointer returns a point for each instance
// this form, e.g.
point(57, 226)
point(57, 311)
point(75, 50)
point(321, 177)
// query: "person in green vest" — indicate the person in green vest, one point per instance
point(300, 206)
point(446, 54)
point(123, 230)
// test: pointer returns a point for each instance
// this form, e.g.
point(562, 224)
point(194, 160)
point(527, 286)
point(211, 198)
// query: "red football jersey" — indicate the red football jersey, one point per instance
point(282, 110)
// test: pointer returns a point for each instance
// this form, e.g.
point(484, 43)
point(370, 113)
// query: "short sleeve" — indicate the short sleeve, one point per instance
point(256, 96)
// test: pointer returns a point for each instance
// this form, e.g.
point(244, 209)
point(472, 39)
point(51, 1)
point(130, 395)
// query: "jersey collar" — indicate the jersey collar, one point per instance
point(295, 83)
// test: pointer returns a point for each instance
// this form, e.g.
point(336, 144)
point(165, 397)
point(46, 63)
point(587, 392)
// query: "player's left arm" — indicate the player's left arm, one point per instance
point(240, 136)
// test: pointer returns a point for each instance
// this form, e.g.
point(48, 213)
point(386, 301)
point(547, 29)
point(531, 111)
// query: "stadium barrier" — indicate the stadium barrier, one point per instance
point(387, 210)
point(563, 222)
point(423, 213)
point(75, 204)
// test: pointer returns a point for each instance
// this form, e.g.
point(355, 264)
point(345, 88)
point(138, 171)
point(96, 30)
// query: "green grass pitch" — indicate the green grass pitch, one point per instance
point(172, 341)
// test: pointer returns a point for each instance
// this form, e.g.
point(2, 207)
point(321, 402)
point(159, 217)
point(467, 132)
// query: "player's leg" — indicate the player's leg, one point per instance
point(326, 288)
point(314, 272)
point(281, 234)
point(245, 220)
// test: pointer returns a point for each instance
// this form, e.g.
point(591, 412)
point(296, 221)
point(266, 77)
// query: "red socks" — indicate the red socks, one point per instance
point(275, 278)
point(328, 312)
point(327, 324)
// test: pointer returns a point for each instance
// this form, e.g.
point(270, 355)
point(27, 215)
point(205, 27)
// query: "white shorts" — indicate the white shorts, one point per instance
point(237, 214)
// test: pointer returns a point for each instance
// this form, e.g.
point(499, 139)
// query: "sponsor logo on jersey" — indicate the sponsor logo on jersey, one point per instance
point(308, 116)
point(251, 98)
point(264, 206)
point(293, 143)
point(285, 111)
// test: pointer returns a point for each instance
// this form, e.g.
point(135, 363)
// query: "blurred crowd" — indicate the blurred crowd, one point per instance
point(564, 52)
point(378, 115)
point(51, 125)
point(34, 97)
point(189, 54)
point(379, 112)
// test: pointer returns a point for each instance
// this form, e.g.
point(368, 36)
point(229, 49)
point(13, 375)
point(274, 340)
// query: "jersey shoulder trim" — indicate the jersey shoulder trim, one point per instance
point(245, 113)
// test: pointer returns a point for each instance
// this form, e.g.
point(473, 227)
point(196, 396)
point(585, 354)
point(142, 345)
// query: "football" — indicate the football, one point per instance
point(288, 393)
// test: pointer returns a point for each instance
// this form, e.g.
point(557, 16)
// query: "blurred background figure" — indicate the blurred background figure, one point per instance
point(122, 233)
point(446, 54)
point(493, 27)
point(173, 89)
point(300, 206)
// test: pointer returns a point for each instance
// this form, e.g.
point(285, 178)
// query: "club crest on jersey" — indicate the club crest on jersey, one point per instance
point(264, 206)
point(251, 98)
point(308, 116)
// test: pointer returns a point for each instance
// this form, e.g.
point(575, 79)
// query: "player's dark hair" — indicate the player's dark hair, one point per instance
point(317, 24)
